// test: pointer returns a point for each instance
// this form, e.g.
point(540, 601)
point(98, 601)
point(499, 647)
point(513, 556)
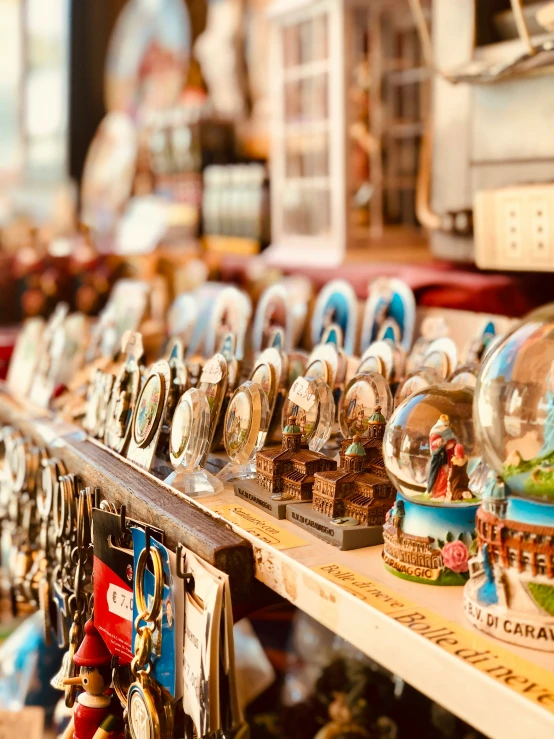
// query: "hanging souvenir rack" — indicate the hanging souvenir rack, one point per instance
point(145, 498)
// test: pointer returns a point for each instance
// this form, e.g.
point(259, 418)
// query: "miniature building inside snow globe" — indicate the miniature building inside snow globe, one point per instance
point(430, 454)
point(511, 591)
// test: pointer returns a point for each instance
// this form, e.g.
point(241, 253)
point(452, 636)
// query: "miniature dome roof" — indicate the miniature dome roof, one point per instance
point(356, 448)
point(291, 427)
point(494, 488)
point(377, 416)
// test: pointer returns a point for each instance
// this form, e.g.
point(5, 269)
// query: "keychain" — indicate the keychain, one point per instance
point(149, 706)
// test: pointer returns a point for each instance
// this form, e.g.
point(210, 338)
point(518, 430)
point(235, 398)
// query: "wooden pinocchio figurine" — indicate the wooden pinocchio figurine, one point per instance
point(97, 714)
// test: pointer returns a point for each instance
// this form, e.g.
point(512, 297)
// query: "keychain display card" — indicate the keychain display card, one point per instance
point(231, 716)
point(113, 575)
point(170, 619)
point(203, 605)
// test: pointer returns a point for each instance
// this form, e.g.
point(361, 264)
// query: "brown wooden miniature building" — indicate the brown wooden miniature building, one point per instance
point(372, 443)
point(290, 470)
point(352, 491)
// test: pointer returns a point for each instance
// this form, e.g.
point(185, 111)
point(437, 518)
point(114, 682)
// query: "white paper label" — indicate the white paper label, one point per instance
point(301, 395)
point(120, 602)
point(211, 371)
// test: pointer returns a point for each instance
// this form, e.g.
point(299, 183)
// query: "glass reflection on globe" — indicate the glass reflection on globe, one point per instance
point(514, 410)
point(430, 449)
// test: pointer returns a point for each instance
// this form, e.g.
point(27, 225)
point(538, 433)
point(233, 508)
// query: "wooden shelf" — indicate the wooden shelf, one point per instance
point(413, 630)
point(146, 498)
point(416, 631)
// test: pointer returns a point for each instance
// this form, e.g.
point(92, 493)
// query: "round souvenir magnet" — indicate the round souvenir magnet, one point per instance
point(271, 312)
point(431, 328)
point(310, 401)
point(246, 422)
point(326, 355)
point(389, 312)
point(150, 405)
point(227, 349)
point(337, 304)
point(318, 368)
point(415, 381)
point(213, 382)
point(190, 430)
point(297, 363)
point(364, 393)
point(229, 314)
point(378, 354)
point(266, 376)
point(442, 356)
point(465, 375)
point(182, 316)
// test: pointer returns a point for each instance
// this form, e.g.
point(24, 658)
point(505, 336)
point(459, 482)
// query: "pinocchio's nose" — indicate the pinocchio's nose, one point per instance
point(73, 680)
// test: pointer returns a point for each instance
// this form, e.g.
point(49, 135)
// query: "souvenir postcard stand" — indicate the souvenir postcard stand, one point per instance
point(148, 416)
point(430, 453)
point(349, 504)
point(245, 430)
point(124, 394)
point(189, 441)
point(284, 474)
point(510, 594)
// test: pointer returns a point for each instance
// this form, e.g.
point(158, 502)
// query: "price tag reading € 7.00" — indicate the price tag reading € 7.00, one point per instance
point(120, 602)
point(301, 395)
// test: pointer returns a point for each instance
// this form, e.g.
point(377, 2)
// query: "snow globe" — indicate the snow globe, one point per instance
point(511, 591)
point(430, 453)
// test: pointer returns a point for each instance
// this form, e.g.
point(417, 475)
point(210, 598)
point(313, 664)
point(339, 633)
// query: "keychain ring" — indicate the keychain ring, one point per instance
point(152, 614)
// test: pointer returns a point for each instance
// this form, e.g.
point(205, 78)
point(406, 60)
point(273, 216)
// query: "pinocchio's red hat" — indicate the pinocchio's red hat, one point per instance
point(92, 652)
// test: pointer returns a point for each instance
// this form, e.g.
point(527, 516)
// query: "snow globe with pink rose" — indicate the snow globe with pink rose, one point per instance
point(431, 456)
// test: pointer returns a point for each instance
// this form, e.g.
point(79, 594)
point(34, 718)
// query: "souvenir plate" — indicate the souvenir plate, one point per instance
point(390, 305)
point(190, 429)
point(336, 304)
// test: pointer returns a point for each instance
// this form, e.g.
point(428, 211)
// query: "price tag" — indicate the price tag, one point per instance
point(120, 602)
point(212, 371)
point(131, 344)
point(301, 395)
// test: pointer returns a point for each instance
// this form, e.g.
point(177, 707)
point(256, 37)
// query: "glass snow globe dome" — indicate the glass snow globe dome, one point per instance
point(514, 410)
point(430, 450)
